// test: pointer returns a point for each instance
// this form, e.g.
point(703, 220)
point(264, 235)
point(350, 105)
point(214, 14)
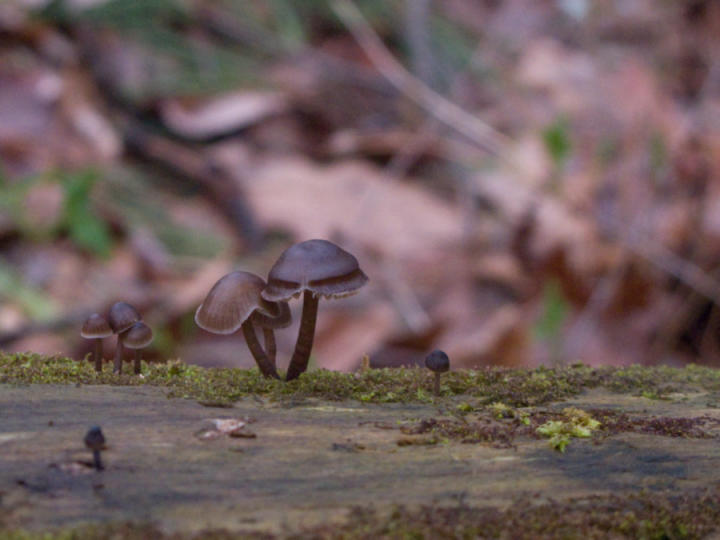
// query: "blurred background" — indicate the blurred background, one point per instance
point(524, 182)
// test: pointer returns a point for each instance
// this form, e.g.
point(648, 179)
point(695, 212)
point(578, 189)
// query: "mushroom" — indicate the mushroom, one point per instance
point(122, 317)
point(269, 324)
point(313, 267)
point(437, 362)
point(95, 441)
point(96, 328)
point(137, 337)
point(234, 302)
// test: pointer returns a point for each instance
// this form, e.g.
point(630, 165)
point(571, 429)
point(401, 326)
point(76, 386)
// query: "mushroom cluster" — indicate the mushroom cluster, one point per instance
point(124, 321)
point(313, 268)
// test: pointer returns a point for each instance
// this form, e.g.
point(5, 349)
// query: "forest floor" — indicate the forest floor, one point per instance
point(638, 459)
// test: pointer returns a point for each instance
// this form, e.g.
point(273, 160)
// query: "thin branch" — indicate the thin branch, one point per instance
point(440, 107)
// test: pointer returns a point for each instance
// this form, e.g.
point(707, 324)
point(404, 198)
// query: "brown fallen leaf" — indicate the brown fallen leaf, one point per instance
point(352, 199)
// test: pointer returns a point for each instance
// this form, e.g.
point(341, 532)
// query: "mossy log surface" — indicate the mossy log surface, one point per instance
point(310, 462)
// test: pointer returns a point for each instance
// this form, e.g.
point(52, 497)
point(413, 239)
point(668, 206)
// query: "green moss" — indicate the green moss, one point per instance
point(478, 388)
point(575, 424)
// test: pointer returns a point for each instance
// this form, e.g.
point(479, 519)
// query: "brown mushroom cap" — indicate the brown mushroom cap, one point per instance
point(138, 336)
point(437, 361)
point(122, 316)
point(318, 266)
point(231, 301)
point(96, 327)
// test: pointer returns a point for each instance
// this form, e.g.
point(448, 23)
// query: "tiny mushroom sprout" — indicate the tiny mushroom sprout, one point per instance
point(315, 268)
point(96, 328)
point(437, 362)
point(137, 337)
point(95, 441)
point(231, 305)
point(122, 317)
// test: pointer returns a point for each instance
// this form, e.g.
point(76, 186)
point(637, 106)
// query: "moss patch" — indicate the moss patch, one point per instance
point(514, 388)
point(575, 423)
point(499, 426)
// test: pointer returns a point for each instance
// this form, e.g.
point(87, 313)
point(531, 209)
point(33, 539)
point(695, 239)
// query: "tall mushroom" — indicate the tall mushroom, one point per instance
point(96, 328)
point(137, 337)
point(230, 305)
point(315, 268)
point(122, 317)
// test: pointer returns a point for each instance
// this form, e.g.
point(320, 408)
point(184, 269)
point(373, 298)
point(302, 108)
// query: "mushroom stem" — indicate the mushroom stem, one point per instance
point(270, 346)
point(306, 334)
point(97, 461)
point(138, 362)
point(119, 353)
point(266, 367)
point(437, 383)
point(98, 354)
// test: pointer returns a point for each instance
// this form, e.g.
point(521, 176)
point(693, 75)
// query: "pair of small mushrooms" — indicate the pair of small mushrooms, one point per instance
point(125, 321)
point(313, 268)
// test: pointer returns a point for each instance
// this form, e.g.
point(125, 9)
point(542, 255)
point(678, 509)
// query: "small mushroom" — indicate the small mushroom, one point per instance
point(122, 317)
point(231, 304)
point(437, 362)
point(95, 441)
point(96, 328)
point(137, 337)
point(315, 268)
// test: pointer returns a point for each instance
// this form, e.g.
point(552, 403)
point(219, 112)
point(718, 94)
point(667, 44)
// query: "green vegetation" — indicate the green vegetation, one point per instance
point(75, 216)
point(84, 227)
point(576, 423)
point(478, 388)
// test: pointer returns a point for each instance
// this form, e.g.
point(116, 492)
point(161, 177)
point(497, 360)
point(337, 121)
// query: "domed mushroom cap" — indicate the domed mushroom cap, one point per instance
point(281, 317)
point(437, 361)
point(96, 327)
point(231, 301)
point(122, 316)
point(315, 265)
point(94, 438)
point(138, 337)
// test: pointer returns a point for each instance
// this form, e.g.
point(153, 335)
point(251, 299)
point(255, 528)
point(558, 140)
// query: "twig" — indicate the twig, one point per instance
point(417, 15)
point(444, 110)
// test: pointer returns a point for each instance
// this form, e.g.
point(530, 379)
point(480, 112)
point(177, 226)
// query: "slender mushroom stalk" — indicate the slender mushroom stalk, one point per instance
point(437, 362)
point(119, 356)
point(234, 302)
point(122, 317)
point(280, 318)
point(97, 354)
point(315, 268)
point(267, 368)
point(270, 345)
point(95, 441)
point(96, 328)
point(306, 335)
point(137, 337)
